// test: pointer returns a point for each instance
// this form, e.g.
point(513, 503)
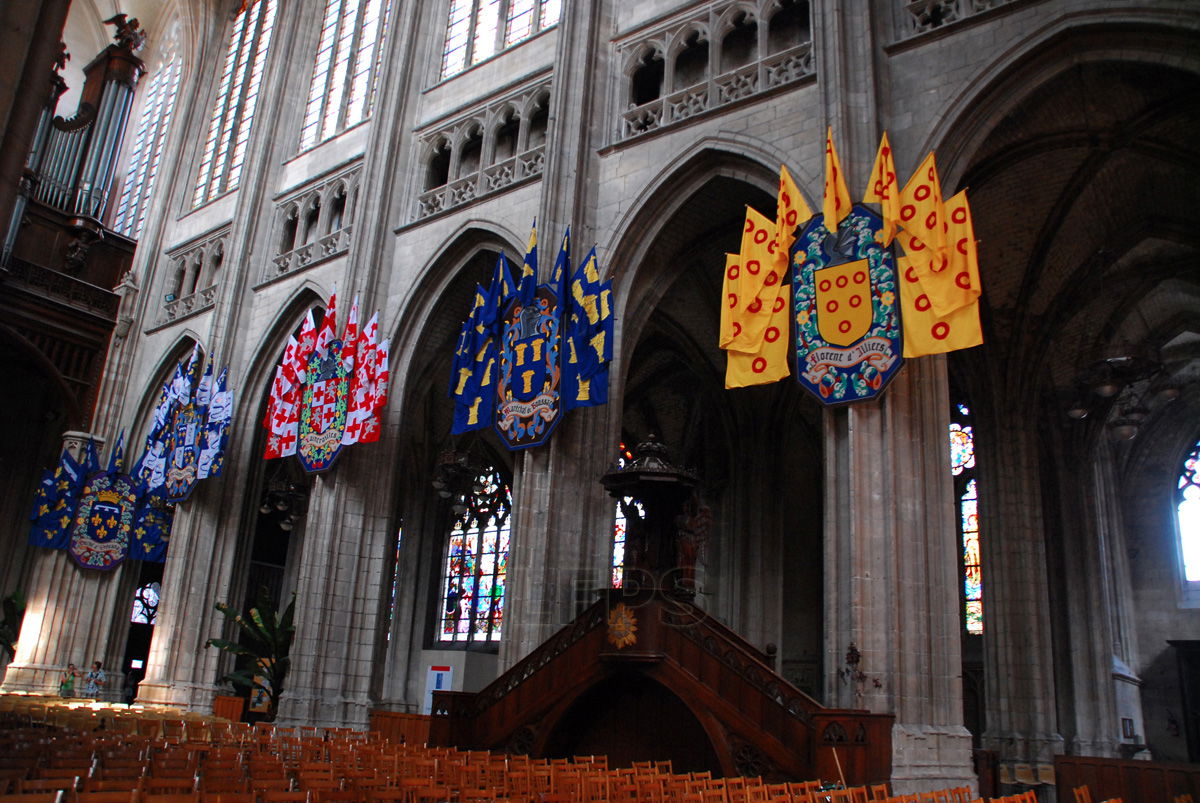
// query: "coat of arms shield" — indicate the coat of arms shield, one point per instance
point(527, 391)
point(323, 408)
point(846, 306)
point(179, 475)
point(100, 531)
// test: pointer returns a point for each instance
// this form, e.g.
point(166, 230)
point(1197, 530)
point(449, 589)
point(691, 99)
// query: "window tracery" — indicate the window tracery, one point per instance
point(158, 104)
point(479, 29)
point(476, 567)
point(224, 150)
point(962, 466)
point(1188, 515)
point(342, 91)
point(145, 604)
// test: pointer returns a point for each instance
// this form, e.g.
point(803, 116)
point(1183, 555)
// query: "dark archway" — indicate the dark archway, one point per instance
point(630, 717)
point(757, 450)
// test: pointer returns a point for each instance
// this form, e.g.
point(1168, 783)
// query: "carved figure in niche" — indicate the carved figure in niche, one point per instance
point(692, 525)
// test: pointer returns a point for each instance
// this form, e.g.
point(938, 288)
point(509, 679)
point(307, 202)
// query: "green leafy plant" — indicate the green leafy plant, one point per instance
point(266, 639)
point(10, 625)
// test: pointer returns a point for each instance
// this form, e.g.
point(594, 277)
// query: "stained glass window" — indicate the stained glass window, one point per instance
point(620, 530)
point(962, 466)
point(224, 148)
point(478, 29)
point(1189, 515)
point(158, 103)
point(621, 523)
point(477, 565)
point(145, 604)
point(342, 91)
point(395, 582)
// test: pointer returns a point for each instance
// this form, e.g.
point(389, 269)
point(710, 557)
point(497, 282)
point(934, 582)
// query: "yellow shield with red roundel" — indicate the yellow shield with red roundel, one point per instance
point(843, 301)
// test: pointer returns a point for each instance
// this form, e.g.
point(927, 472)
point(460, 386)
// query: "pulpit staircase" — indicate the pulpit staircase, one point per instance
point(644, 673)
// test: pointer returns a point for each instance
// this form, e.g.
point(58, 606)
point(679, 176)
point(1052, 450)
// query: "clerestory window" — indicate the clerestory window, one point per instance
point(343, 87)
point(237, 97)
point(158, 103)
point(1188, 515)
point(479, 29)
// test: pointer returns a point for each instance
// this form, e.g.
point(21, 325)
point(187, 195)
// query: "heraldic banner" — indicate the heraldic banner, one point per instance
point(845, 306)
point(857, 307)
point(101, 517)
point(528, 353)
point(328, 391)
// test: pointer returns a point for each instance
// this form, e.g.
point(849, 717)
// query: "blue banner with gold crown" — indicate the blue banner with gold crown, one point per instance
point(104, 519)
point(845, 301)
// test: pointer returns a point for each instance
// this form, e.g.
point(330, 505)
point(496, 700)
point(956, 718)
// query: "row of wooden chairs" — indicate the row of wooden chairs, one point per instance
point(265, 764)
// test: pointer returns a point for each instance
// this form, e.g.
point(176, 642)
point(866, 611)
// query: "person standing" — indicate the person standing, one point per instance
point(93, 681)
point(66, 683)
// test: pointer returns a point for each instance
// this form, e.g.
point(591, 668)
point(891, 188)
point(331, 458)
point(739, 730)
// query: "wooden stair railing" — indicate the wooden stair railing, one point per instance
point(772, 728)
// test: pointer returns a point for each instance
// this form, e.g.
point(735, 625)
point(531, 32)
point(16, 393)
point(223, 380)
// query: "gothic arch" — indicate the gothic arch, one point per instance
point(671, 245)
point(148, 399)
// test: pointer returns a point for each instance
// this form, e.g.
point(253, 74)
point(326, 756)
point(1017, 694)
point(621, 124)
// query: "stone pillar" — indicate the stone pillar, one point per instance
point(71, 614)
point(180, 670)
point(892, 577)
point(562, 519)
point(340, 586)
point(1018, 665)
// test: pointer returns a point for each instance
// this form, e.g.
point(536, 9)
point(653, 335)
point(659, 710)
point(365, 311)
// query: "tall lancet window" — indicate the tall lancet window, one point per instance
point(962, 464)
point(479, 29)
point(477, 564)
point(342, 91)
point(237, 97)
point(158, 102)
point(1188, 513)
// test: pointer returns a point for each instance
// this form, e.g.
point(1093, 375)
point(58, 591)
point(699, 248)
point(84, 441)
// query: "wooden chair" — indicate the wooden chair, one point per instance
point(223, 785)
point(168, 786)
point(335, 796)
point(125, 796)
point(172, 797)
point(228, 797)
point(61, 772)
point(67, 784)
point(313, 784)
point(110, 784)
point(390, 794)
point(1083, 794)
point(275, 796)
point(34, 797)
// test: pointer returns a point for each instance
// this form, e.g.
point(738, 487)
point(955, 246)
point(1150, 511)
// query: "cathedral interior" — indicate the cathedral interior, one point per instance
point(997, 553)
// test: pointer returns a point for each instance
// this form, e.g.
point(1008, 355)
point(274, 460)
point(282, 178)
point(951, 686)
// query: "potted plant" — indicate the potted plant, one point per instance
point(266, 639)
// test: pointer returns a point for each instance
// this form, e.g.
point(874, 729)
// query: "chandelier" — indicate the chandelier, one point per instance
point(1126, 384)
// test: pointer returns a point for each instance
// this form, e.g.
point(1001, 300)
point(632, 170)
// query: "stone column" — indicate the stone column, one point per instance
point(1018, 662)
point(340, 587)
point(70, 614)
point(892, 577)
point(562, 519)
point(180, 671)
